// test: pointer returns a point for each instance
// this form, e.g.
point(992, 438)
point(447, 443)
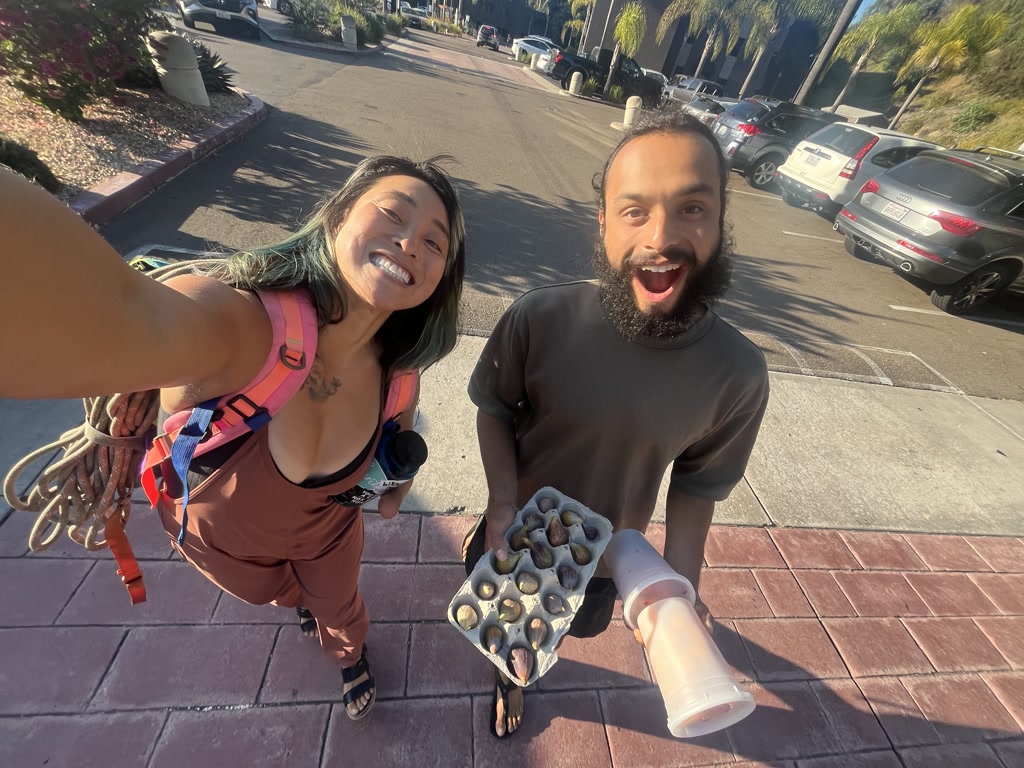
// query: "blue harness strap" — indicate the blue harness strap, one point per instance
point(184, 447)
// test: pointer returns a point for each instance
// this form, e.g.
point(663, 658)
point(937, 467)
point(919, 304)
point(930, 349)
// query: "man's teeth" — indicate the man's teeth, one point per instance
point(385, 264)
point(660, 268)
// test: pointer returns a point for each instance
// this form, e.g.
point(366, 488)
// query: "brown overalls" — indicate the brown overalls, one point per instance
point(265, 539)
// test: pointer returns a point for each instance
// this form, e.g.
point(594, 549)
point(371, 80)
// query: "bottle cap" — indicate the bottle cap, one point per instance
point(408, 449)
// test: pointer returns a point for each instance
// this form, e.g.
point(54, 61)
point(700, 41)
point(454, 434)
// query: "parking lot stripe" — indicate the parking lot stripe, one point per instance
point(919, 311)
point(793, 353)
point(882, 378)
point(752, 194)
point(812, 237)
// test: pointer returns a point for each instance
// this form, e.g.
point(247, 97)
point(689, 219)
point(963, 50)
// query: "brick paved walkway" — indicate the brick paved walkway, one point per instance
point(863, 650)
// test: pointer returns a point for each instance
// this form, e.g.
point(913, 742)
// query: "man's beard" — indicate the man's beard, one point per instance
point(701, 292)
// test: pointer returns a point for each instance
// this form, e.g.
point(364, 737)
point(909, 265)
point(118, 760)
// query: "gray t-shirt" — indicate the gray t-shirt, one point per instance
point(600, 418)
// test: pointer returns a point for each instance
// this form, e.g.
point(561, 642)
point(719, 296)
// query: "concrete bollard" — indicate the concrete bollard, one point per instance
point(633, 105)
point(177, 68)
point(348, 32)
point(576, 83)
point(533, 61)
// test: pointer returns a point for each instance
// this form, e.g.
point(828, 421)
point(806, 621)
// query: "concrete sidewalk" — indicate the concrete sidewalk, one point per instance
point(863, 649)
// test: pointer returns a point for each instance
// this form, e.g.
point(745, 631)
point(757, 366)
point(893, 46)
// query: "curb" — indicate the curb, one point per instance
point(324, 48)
point(107, 200)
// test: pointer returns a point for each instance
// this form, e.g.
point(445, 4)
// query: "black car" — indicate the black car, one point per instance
point(758, 134)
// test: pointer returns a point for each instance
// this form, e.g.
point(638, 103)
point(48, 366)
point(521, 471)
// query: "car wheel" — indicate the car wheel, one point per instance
point(971, 292)
point(285, 7)
point(855, 250)
point(186, 19)
point(762, 173)
point(567, 80)
point(790, 199)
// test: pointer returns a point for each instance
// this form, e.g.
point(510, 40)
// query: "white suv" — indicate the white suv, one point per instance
point(828, 168)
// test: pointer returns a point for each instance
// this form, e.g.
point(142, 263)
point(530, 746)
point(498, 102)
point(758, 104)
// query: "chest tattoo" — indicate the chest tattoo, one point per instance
point(320, 385)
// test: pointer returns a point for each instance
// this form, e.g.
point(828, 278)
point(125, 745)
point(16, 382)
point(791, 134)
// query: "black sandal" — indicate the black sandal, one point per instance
point(307, 622)
point(350, 675)
point(500, 686)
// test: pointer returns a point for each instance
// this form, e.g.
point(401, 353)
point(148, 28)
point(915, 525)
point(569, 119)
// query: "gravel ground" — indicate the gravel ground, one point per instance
point(111, 138)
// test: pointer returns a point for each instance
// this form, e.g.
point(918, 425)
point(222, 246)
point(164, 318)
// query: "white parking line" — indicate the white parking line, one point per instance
point(812, 237)
point(990, 320)
point(752, 194)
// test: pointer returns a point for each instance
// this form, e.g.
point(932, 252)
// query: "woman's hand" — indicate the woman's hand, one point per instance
point(388, 504)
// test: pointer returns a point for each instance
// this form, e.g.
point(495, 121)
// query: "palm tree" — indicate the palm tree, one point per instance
point(576, 25)
point(630, 29)
point(947, 46)
point(884, 30)
point(838, 29)
point(771, 18)
point(720, 18)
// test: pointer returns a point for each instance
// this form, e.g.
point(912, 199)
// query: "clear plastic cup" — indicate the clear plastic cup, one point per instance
point(700, 691)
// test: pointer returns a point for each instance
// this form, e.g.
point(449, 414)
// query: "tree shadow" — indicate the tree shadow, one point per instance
point(794, 707)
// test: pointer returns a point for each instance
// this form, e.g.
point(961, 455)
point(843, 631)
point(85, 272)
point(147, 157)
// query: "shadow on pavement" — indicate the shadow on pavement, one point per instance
point(788, 713)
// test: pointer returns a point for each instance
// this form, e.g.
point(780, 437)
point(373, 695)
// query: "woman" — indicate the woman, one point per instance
point(382, 261)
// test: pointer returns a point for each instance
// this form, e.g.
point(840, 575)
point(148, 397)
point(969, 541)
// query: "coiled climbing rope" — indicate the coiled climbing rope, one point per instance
point(95, 476)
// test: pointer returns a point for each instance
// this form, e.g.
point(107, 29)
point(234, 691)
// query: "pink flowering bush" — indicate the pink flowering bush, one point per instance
point(65, 54)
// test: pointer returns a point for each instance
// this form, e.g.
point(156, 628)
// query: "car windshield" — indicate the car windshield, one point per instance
point(959, 183)
point(747, 110)
point(844, 139)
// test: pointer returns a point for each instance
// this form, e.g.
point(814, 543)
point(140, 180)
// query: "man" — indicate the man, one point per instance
point(596, 389)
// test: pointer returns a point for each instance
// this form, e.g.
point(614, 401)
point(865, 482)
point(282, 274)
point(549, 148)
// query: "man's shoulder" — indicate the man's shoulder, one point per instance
point(737, 349)
point(559, 296)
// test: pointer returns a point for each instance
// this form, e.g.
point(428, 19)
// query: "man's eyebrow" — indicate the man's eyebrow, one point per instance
point(700, 188)
point(405, 198)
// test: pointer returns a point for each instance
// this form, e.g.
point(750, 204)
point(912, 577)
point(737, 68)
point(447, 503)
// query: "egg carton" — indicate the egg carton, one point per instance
point(554, 601)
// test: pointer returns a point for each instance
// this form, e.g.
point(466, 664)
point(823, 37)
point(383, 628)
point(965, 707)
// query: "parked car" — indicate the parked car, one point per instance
point(546, 61)
point(758, 134)
point(707, 108)
point(285, 7)
point(954, 218)
point(531, 45)
point(827, 169)
point(416, 18)
point(487, 35)
point(655, 75)
point(687, 88)
point(628, 73)
point(237, 15)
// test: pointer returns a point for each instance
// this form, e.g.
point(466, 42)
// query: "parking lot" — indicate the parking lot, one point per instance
point(525, 160)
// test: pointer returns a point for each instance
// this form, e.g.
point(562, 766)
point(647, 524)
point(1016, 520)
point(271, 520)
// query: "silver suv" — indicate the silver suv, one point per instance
point(954, 218)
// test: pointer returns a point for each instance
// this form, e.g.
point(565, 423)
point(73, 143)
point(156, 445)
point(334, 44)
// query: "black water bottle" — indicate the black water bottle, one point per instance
point(398, 458)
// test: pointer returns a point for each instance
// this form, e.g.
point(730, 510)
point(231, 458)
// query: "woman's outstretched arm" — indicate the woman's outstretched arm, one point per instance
point(76, 320)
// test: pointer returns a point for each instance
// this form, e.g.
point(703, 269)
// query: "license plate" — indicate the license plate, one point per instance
point(223, 15)
point(721, 129)
point(894, 211)
point(811, 160)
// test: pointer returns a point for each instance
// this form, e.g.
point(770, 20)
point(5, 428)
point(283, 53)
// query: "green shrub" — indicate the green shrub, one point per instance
point(524, 57)
point(309, 15)
point(213, 68)
point(23, 160)
point(394, 23)
point(309, 34)
point(369, 29)
point(616, 95)
point(66, 54)
point(589, 87)
point(976, 114)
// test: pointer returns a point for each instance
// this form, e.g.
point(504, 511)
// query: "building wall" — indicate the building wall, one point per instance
point(786, 63)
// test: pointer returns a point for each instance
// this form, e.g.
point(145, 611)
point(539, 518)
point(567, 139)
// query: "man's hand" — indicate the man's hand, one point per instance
point(702, 613)
point(499, 517)
point(388, 504)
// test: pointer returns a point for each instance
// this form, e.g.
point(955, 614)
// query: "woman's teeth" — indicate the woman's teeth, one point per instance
point(384, 264)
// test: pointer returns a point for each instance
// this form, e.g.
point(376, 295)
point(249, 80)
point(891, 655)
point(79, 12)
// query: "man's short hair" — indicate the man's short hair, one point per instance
point(671, 122)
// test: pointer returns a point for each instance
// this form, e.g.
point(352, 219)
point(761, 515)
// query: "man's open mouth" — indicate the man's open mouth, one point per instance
point(658, 281)
point(391, 269)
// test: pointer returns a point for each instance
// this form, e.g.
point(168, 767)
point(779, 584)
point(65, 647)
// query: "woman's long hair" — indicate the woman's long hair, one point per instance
point(410, 339)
